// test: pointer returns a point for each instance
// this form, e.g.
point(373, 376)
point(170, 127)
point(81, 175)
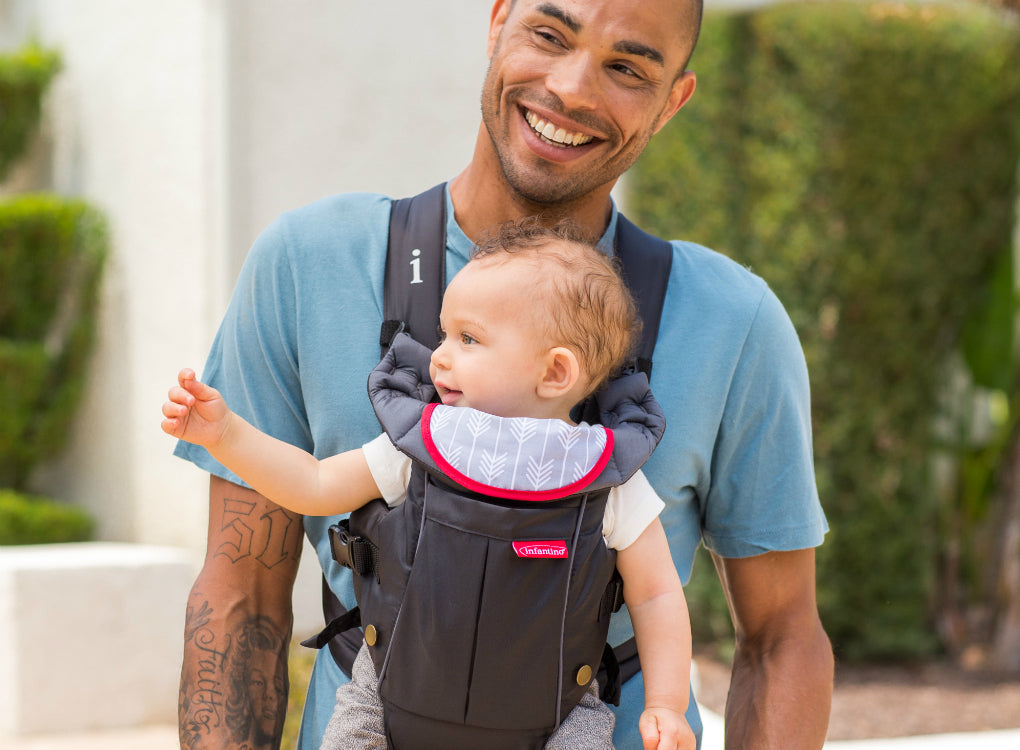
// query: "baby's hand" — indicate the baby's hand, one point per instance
point(195, 412)
point(665, 729)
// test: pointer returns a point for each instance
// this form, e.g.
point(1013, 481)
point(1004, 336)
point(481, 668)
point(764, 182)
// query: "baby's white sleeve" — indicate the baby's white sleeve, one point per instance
point(630, 508)
point(390, 469)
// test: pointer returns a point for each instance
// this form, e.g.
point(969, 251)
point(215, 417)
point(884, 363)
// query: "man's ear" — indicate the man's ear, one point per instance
point(679, 95)
point(562, 371)
point(497, 18)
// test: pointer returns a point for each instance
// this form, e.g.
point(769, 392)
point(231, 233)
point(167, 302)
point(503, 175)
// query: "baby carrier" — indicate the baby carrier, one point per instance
point(485, 597)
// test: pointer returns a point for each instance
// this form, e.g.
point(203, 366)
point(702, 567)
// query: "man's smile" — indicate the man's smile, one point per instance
point(553, 135)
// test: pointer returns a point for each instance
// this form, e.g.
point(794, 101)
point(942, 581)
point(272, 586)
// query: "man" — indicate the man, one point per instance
point(574, 91)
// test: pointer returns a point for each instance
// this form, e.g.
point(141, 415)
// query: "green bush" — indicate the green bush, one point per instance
point(28, 519)
point(862, 159)
point(24, 77)
point(51, 258)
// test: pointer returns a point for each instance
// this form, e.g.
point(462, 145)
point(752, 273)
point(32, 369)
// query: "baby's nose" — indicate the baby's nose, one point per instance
point(439, 359)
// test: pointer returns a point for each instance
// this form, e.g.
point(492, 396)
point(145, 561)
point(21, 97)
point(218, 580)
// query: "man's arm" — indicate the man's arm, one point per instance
point(781, 687)
point(238, 626)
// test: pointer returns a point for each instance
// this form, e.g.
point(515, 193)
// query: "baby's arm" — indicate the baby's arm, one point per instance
point(281, 472)
point(658, 609)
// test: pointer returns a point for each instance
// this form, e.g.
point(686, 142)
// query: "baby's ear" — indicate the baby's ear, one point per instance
point(562, 371)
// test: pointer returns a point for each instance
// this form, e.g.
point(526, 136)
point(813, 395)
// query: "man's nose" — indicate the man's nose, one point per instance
point(573, 79)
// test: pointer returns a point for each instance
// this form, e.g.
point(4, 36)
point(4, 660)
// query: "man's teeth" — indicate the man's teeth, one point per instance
point(550, 132)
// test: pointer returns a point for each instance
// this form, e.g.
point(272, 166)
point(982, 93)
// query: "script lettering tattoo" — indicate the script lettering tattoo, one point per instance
point(201, 700)
point(245, 534)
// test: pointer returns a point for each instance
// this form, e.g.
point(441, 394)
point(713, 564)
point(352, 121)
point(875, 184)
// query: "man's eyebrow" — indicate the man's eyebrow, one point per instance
point(640, 50)
point(626, 47)
point(560, 15)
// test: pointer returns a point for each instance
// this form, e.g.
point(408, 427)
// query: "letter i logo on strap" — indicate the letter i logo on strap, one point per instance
point(416, 266)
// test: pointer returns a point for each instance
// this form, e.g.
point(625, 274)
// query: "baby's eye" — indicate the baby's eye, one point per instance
point(467, 338)
point(441, 334)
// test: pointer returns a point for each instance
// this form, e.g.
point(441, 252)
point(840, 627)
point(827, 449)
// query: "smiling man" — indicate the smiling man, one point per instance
point(574, 91)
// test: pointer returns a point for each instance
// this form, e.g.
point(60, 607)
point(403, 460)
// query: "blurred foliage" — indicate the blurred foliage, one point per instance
point(862, 159)
point(52, 252)
point(30, 519)
point(24, 77)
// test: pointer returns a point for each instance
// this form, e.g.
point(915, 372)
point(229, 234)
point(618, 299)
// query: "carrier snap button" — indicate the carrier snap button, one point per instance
point(584, 675)
point(371, 635)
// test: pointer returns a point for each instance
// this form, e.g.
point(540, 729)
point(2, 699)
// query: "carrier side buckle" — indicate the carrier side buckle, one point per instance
point(352, 551)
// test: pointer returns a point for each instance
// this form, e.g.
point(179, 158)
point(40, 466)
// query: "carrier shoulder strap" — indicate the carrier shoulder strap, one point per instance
point(415, 268)
point(646, 261)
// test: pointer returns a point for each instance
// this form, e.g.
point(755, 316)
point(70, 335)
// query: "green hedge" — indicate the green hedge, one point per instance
point(862, 158)
point(24, 77)
point(52, 252)
point(28, 519)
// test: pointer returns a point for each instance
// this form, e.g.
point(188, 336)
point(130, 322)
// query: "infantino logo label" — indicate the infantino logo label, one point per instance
point(541, 549)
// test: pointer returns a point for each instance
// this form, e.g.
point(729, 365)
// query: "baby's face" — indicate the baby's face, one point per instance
point(492, 357)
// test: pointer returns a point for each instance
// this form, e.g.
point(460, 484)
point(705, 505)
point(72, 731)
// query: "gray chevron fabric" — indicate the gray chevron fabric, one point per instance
point(518, 453)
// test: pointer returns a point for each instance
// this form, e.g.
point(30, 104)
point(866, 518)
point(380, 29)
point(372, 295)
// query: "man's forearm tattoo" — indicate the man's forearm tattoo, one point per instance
point(262, 537)
point(200, 709)
point(240, 687)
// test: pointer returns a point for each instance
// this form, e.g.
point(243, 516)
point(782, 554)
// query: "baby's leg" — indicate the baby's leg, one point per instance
point(589, 725)
point(357, 721)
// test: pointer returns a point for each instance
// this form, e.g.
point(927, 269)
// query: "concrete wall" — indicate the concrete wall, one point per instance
point(91, 636)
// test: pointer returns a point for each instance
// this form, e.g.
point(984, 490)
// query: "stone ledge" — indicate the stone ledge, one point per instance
point(90, 635)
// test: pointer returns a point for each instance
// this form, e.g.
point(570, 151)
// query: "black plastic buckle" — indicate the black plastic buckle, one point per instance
point(390, 330)
point(354, 552)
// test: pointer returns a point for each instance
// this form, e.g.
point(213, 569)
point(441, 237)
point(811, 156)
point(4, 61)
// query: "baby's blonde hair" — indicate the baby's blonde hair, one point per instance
point(579, 291)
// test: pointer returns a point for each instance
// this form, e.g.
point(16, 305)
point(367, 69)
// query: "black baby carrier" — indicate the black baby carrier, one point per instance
point(485, 600)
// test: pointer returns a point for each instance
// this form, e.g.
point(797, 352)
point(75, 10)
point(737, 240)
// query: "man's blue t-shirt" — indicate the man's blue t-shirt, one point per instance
point(735, 466)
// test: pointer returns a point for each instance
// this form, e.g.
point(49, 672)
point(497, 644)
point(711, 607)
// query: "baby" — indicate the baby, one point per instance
point(536, 322)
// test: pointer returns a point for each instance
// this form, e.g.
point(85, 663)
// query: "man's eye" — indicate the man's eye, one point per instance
point(625, 70)
point(549, 37)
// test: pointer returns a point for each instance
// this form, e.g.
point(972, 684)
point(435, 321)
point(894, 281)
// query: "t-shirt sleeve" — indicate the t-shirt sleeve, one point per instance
point(630, 508)
point(253, 359)
point(763, 495)
point(390, 468)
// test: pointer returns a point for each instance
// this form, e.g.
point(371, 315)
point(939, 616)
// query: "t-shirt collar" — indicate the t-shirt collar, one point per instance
point(458, 244)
